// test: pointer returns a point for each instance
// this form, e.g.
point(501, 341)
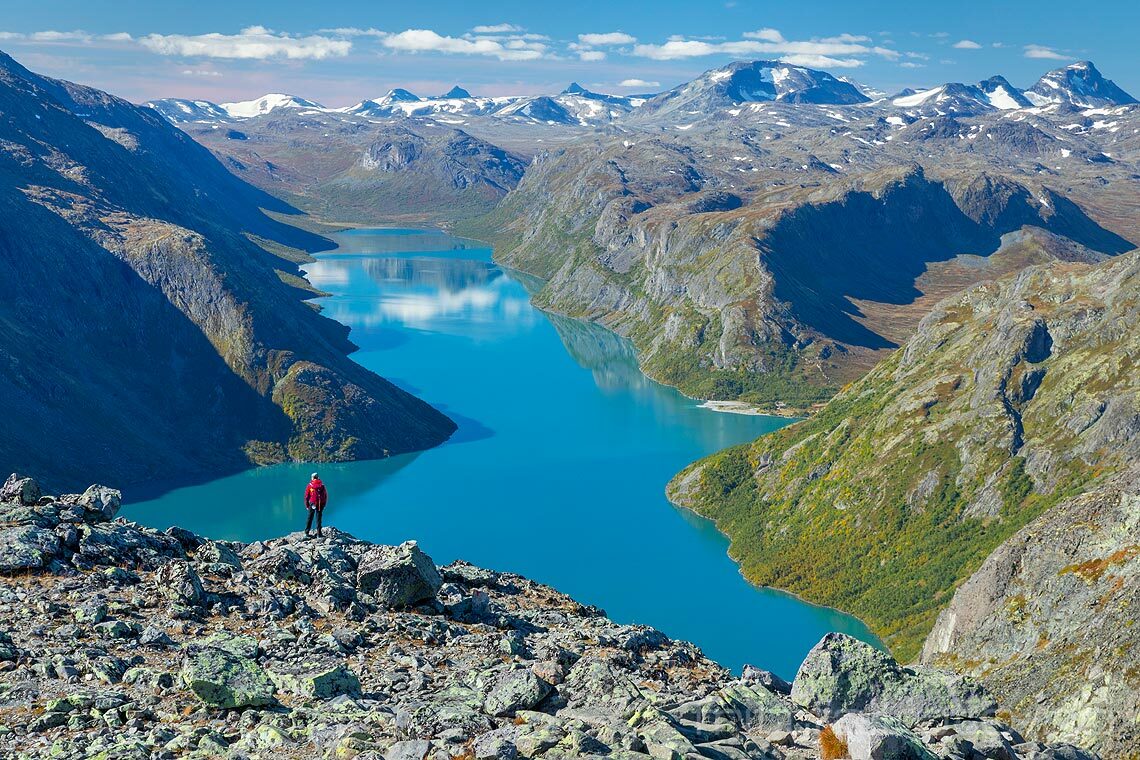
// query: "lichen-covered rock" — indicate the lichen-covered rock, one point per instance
point(179, 582)
point(398, 576)
point(236, 644)
point(314, 676)
point(102, 502)
point(223, 680)
point(20, 490)
point(515, 690)
point(26, 548)
point(842, 674)
point(879, 737)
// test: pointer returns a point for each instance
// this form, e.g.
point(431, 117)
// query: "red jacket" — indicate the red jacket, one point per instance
point(315, 495)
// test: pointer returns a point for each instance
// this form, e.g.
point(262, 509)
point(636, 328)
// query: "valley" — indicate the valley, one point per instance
point(780, 237)
point(942, 282)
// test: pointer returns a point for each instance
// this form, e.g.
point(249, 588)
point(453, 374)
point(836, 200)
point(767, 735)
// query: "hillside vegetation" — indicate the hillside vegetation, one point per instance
point(1010, 397)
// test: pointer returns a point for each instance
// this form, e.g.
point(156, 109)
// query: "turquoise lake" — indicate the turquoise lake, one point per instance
point(558, 469)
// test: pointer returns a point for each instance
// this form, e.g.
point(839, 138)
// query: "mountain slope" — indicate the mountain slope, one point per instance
point(1009, 398)
point(773, 291)
point(347, 168)
point(1080, 84)
point(1048, 622)
point(139, 311)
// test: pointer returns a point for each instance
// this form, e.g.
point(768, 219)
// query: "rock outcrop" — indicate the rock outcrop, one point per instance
point(127, 642)
point(1049, 622)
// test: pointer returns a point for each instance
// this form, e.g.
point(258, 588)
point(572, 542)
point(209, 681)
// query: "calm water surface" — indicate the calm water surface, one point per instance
point(559, 466)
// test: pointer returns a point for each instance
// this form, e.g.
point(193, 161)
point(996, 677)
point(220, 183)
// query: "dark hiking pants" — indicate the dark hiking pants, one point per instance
point(309, 524)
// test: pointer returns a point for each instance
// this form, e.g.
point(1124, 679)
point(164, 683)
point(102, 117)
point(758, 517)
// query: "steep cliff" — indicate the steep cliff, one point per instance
point(1049, 621)
point(1009, 399)
point(139, 310)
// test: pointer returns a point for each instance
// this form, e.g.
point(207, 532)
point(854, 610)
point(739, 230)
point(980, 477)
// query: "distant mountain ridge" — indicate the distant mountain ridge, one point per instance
point(1079, 84)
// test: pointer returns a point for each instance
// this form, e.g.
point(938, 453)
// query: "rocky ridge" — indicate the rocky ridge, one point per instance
point(1049, 621)
point(121, 641)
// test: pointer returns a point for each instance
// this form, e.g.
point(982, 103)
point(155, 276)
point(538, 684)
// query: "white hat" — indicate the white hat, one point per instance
point(313, 476)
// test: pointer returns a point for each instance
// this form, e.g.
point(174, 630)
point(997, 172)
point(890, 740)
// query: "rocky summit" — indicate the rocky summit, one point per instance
point(121, 641)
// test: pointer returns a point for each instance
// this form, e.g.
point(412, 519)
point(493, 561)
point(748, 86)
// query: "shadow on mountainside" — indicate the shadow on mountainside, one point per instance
point(875, 246)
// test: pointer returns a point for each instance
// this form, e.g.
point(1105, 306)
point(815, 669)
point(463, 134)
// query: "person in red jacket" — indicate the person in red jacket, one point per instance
point(316, 496)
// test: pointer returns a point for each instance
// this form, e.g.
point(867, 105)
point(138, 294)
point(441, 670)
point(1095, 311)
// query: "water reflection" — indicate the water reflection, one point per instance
point(423, 293)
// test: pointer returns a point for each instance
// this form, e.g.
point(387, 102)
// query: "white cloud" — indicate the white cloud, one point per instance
point(1040, 51)
point(252, 42)
point(637, 83)
point(912, 65)
point(496, 29)
point(591, 55)
point(607, 38)
point(353, 31)
point(967, 45)
point(841, 51)
point(117, 37)
point(821, 61)
point(200, 73)
point(771, 35)
point(425, 40)
point(846, 38)
point(54, 36)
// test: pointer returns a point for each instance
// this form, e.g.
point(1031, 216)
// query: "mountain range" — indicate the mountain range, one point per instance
point(1080, 85)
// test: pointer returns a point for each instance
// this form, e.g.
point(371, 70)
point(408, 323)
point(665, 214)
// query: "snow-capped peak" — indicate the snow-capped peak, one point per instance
point(1080, 84)
point(245, 109)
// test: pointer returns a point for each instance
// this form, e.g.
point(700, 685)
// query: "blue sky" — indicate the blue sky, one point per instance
point(342, 52)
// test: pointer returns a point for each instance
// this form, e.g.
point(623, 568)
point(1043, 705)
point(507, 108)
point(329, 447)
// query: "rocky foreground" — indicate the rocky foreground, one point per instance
point(120, 641)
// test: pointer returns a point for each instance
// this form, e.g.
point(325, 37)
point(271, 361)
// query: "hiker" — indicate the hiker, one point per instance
point(315, 498)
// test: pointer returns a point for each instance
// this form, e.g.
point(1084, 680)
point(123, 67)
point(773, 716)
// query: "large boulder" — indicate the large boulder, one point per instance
point(221, 679)
point(879, 737)
point(101, 502)
point(398, 576)
point(179, 582)
point(515, 690)
point(316, 677)
point(114, 543)
point(842, 674)
point(26, 548)
point(20, 490)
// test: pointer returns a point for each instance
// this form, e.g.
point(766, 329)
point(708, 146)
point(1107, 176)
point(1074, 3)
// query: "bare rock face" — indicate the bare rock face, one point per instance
point(398, 576)
point(841, 675)
point(20, 490)
point(1048, 622)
